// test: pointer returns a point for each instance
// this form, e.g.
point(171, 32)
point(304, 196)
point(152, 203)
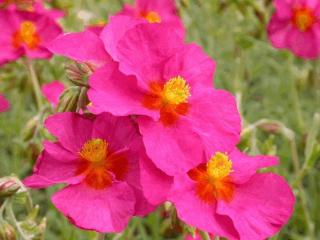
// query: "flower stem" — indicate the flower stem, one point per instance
point(35, 82)
point(205, 235)
point(100, 236)
point(14, 221)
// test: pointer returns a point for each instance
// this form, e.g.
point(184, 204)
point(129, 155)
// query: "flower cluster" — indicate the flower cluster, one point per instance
point(155, 130)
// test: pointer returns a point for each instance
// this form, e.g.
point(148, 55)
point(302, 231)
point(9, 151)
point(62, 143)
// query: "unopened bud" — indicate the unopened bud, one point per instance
point(30, 128)
point(7, 232)
point(8, 186)
point(69, 100)
point(78, 73)
point(271, 127)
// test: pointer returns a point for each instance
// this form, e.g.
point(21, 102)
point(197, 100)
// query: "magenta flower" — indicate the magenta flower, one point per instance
point(98, 159)
point(143, 12)
point(296, 26)
point(153, 11)
point(52, 92)
point(165, 85)
point(4, 104)
point(25, 33)
point(32, 6)
point(230, 199)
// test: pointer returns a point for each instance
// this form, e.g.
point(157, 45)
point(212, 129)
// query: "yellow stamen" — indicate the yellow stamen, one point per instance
point(303, 19)
point(152, 17)
point(176, 91)
point(27, 32)
point(219, 166)
point(95, 150)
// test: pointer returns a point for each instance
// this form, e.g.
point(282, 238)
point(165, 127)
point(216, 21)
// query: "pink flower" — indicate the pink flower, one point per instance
point(152, 12)
point(52, 92)
point(31, 6)
point(4, 104)
point(98, 159)
point(296, 26)
point(25, 33)
point(230, 199)
point(169, 86)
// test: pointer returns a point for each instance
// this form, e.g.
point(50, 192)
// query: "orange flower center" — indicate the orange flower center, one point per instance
point(151, 16)
point(303, 19)
point(213, 180)
point(99, 165)
point(27, 35)
point(171, 98)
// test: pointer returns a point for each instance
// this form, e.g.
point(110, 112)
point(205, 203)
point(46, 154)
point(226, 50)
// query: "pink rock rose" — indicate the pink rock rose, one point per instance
point(230, 199)
point(296, 26)
point(25, 34)
point(98, 158)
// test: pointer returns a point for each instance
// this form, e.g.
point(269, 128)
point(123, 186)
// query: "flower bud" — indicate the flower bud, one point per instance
point(271, 127)
point(69, 100)
point(78, 73)
point(8, 186)
point(7, 232)
point(30, 128)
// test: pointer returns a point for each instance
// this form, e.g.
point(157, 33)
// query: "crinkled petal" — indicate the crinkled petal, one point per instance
point(155, 183)
point(278, 31)
point(144, 50)
point(111, 91)
point(192, 64)
point(107, 210)
point(72, 130)
point(193, 211)
point(284, 8)
point(114, 32)
point(244, 166)
point(54, 165)
point(173, 149)
point(260, 207)
point(83, 46)
point(304, 44)
point(215, 118)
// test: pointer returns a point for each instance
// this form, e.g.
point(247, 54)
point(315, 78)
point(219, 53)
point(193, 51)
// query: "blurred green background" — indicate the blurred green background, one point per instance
point(278, 96)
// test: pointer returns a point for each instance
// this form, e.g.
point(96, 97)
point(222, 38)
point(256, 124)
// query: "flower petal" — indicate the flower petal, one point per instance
point(197, 213)
point(114, 32)
point(173, 149)
point(244, 166)
point(151, 45)
point(192, 64)
point(4, 104)
point(83, 46)
point(155, 183)
point(72, 130)
point(113, 92)
point(52, 91)
point(215, 118)
point(107, 210)
point(54, 165)
point(260, 207)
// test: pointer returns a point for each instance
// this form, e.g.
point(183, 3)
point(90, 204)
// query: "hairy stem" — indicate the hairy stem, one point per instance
point(35, 82)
